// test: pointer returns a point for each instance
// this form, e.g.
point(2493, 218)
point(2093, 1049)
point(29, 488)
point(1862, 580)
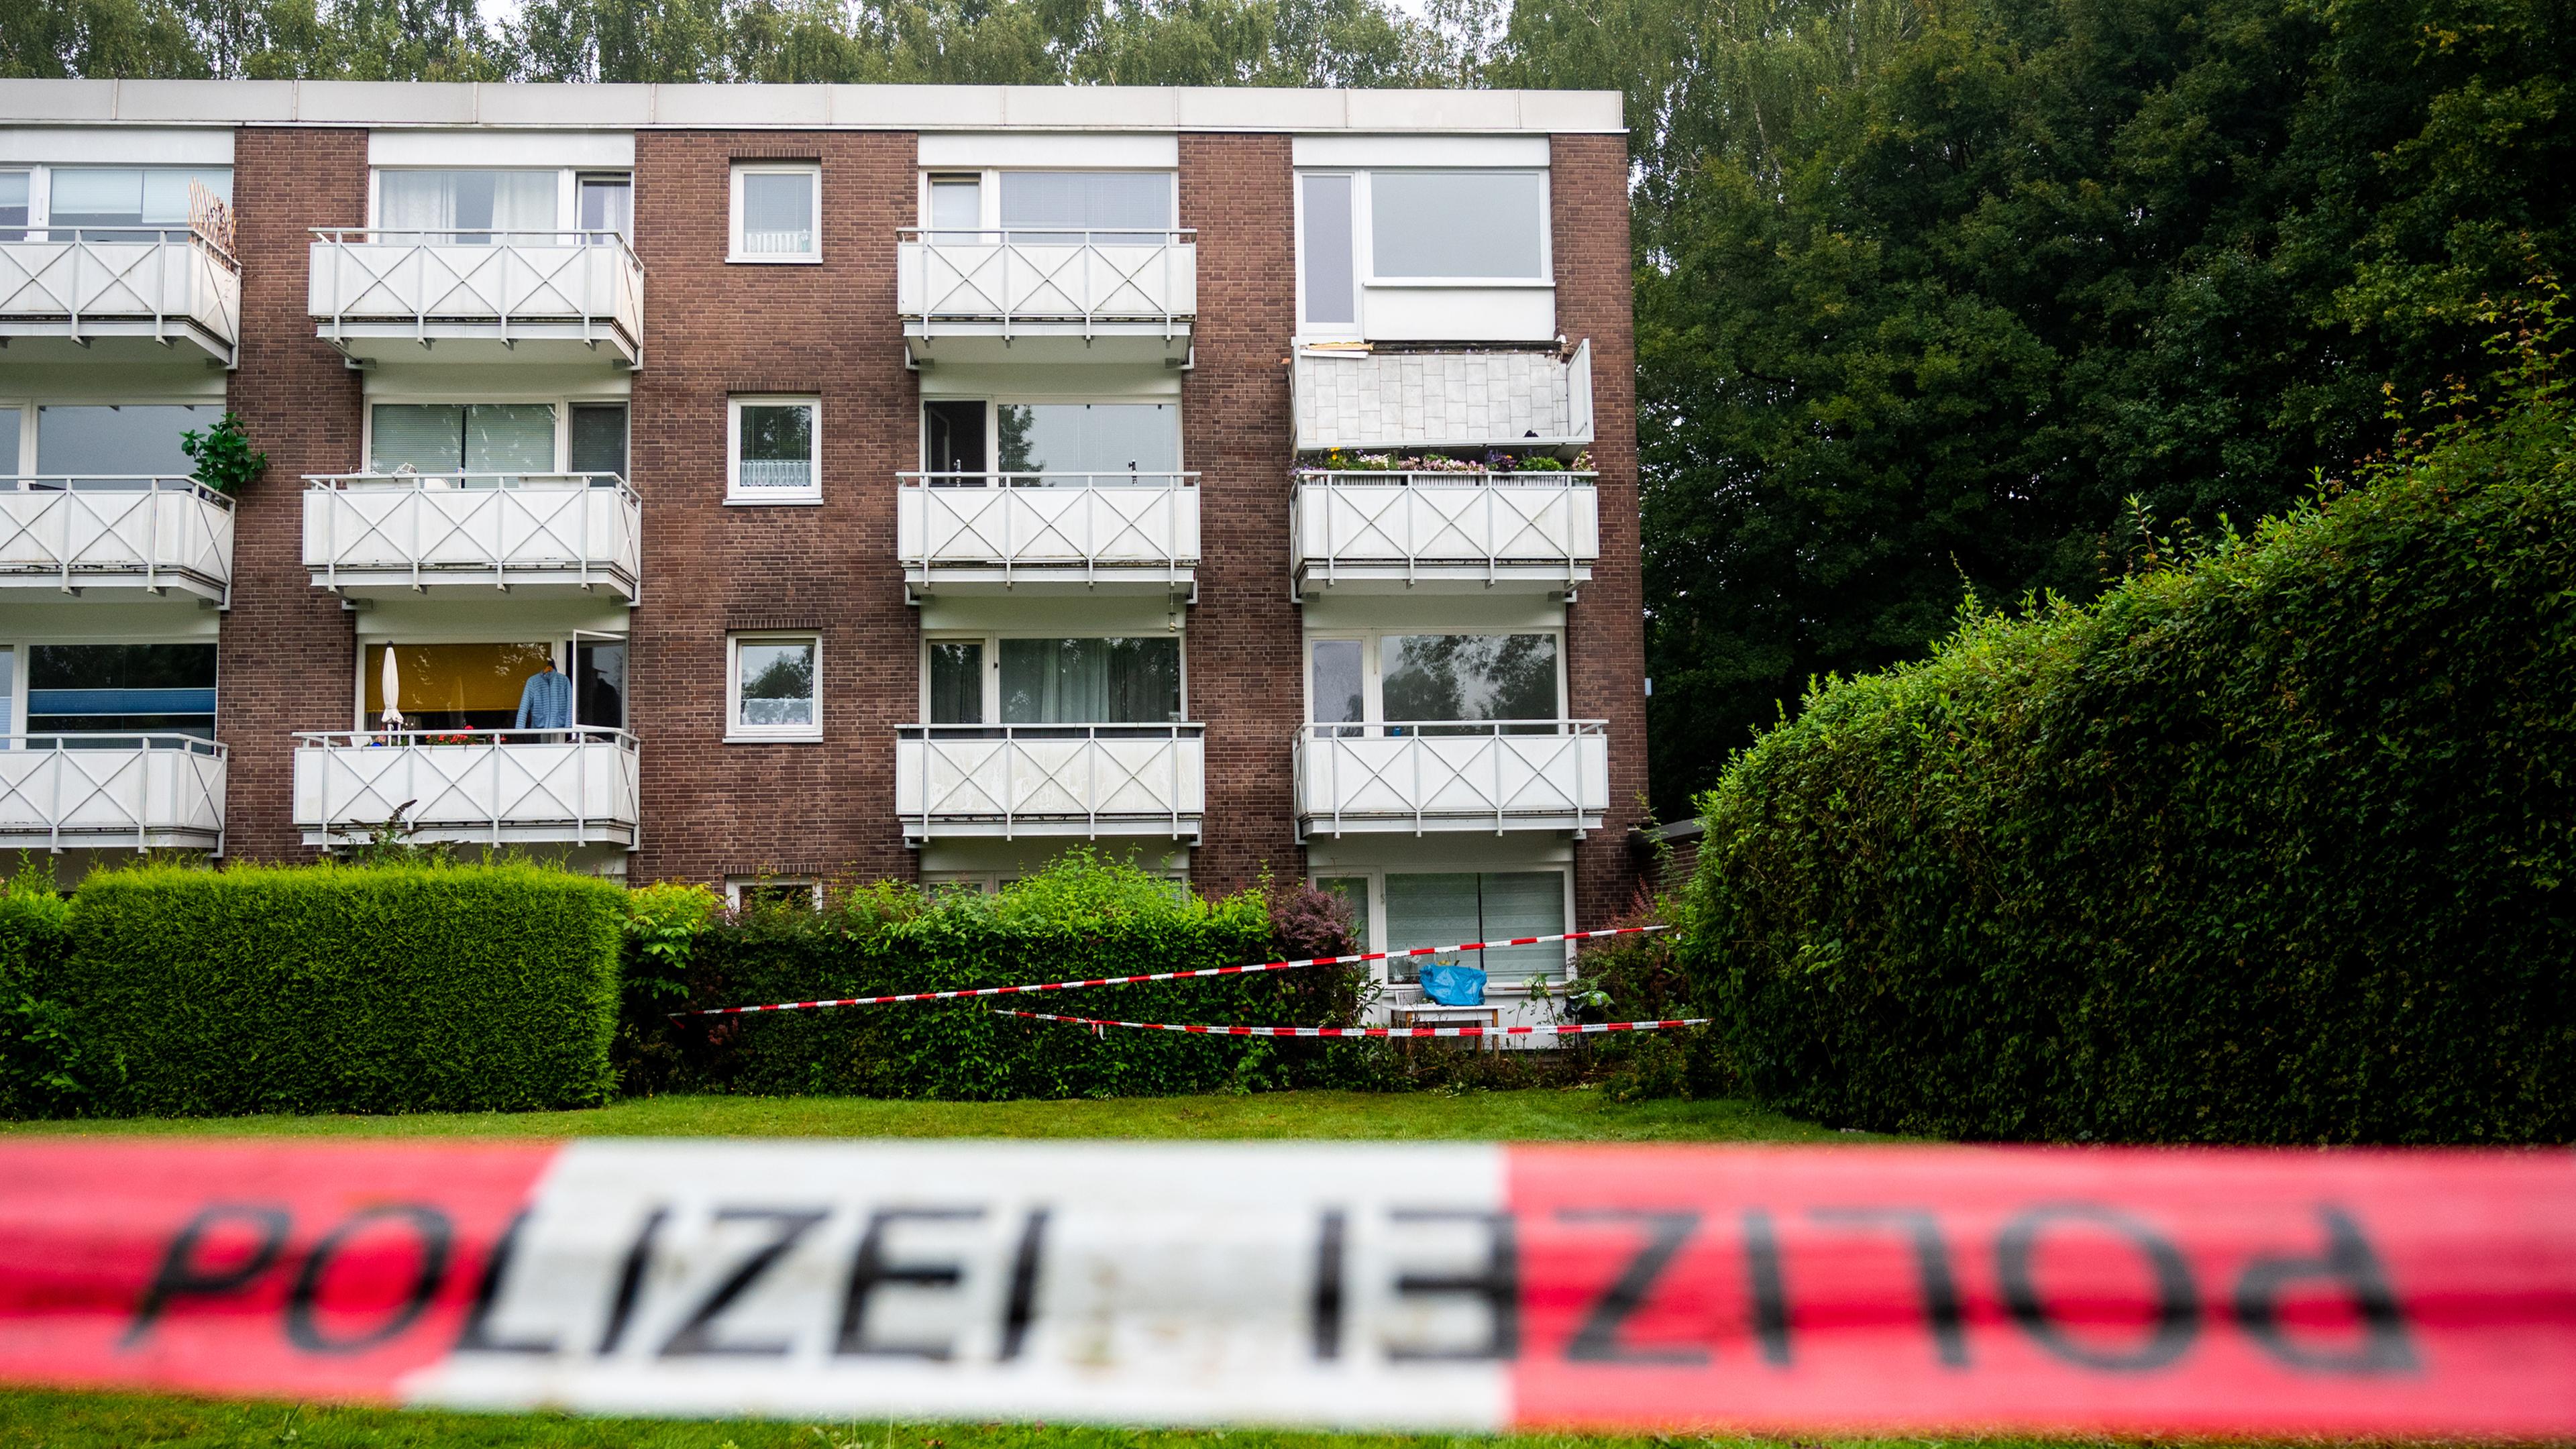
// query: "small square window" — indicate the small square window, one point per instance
point(777, 213)
point(773, 688)
point(774, 450)
point(790, 892)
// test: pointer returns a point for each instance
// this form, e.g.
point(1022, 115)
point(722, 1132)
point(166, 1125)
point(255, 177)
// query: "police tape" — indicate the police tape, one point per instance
point(1411, 1286)
point(1247, 970)
point(1572, 1028)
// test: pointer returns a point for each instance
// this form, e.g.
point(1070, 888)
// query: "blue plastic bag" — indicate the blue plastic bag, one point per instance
point(1454, 985)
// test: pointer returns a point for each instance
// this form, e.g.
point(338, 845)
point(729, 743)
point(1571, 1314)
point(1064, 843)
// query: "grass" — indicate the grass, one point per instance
point(1525, 1115)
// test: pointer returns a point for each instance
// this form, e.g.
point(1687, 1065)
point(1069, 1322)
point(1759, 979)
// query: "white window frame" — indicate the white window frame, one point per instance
point(992, 642)
point(562, 403)
point(1374, 879)
point(1364, 275)
point(989, 193)
point(738, 733)
point(40, 181)
point(1359, 264)
point(738, 496)
point(993, 406)
point(813, 173)
point(567, 189)
point(22, 464)
point(562, 653)
point(1373, 679)
point(20, 647)
point(735, 884)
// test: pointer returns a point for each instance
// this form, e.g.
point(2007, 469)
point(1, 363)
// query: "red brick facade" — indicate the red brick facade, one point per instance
point(714, 329)
point(288, 651)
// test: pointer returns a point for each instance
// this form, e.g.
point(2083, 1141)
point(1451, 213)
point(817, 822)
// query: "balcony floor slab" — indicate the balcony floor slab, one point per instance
point(476, 343)
point(986, 341)
point(960, 827)
point(110, 342)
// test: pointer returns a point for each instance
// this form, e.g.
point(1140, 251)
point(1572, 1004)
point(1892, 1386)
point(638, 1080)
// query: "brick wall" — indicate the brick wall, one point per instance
point(713, 329)
point(1605, 632)
point(286, 659)
point(1245, 634)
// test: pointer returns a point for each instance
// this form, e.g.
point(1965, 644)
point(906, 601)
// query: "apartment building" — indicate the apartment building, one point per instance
point(762, 485)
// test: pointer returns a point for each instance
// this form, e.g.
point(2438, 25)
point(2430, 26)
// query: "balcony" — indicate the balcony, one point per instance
point(479, 297)
point(1014, 780)
point(1380, 532)
point(1367, 401)
point(482, 787)
point(111, 792)
point(115, 534)
point(1494, 775)
point(142, 292)
point(550, 534)
point(1048, 533)
point(1047, 296)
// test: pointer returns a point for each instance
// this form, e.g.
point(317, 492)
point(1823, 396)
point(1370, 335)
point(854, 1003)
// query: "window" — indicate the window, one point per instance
point(599, 683)
point(1449, 910)
point(1049, 681)
point(17, 197)
point(773, 892)
point(450, 438)
point(1354, 891)
point(773, 688)
point(607, 205)
point(1052, 442)
point(775, 212)
point(155, 198)
point(118, 441)
point(1458, 224)
point(774, 448)
point(1061, 206)
point(1324, 221)
point(120, 689)
point(468, 208)
point(597, 441)
point(438, 687)
point(957, 207)
point(1407, 682)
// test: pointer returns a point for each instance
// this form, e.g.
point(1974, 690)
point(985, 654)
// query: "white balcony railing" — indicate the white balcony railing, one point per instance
point(581, 289)
point(109, 791)
point(150, 533)
point(172, 286)
point(562, 532)
point(1013, 780)
point(1491, 775)
point(1003, 529)
point(1479, 527)
point(1096, 279)
point(493, 787)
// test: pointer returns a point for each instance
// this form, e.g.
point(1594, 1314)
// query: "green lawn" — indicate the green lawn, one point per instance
point(1532, 1115)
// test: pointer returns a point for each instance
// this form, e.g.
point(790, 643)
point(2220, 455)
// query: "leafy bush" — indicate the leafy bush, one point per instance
point(225, 460)
point(346, 988)
point(1080, 917)
point(2272, 846)
point(43, 1071)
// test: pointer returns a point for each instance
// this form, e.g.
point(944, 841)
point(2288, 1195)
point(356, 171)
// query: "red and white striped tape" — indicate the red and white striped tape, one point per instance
point(1581, 1028)
point(961, 995)
point(1439, 1286)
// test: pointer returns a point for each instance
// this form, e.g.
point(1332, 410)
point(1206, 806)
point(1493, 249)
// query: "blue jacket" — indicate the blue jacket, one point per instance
point(546, 704)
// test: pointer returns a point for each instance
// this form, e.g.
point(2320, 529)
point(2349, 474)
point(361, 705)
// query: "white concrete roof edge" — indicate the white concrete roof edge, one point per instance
point(588, 107)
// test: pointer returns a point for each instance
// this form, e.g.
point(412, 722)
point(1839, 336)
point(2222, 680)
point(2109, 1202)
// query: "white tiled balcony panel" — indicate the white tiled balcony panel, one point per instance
point(1372, 401)
point(501, 787)
point(140, 291)
point(1047, 296)
point(109, 791)
point(542, 533)
point(478, 297)
point(150, 535)
point(1084, 780)
point(1386, 532)
point(1000, 532)
point(1493, 776)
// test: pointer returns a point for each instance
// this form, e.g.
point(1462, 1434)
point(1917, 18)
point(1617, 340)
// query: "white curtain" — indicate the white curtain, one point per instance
point(467, 205)
point(1090, 681)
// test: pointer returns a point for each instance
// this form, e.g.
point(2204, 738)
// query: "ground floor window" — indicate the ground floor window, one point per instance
point(797, 891)
point(1396, 910)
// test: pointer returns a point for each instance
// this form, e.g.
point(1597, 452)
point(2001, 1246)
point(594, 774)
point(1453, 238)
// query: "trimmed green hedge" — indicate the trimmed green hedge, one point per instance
point(41, 1070)
point(1080, 917)
point(346, 988)
point(2277, 846)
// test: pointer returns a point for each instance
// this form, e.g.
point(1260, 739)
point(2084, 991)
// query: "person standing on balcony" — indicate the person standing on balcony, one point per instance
point(546, 702)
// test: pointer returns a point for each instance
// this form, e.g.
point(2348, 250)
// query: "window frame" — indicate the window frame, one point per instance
point(735, 494)
point(735, 884)
point(995, 402)
point(1373, 679)
point(40, 185)
point(1359, 270)
point(992, 639)
point(989, 197)
point(20, 647)
point(1364, 274)
point(1375, 927)
point(560, 646)
point(739, 733)
point(812, 171)
point(562, 403)
point(22, 464)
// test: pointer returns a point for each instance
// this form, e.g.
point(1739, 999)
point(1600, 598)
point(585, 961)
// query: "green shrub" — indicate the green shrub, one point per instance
point(2271, 846)
point(43, 1071)
point(1080, 917)
point(346, 988)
